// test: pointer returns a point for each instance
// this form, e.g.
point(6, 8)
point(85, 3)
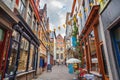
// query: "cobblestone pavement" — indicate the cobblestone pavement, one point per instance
point(58, 73)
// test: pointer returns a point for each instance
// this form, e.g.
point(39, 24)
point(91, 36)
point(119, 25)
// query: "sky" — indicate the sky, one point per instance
point(56, 11)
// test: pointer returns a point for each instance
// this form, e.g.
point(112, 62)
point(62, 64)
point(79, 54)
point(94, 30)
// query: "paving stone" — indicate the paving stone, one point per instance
point(58, 73)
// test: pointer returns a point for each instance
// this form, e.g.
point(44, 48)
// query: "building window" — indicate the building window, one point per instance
point(34, 1)
point(22, 7)
point(13, 53)
point(61, 49)
point(23, 55)
point(31, 57)
point(93, 55)
point(9, 3)
point(57, 56)
point(29, 15)
point(61, 56)
point(57, 48)
point(34, 24)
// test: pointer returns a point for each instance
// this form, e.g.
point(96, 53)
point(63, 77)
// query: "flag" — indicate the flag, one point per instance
point(58, 27)
point(91, 4)
point(74, 18)
point(54, 29)
point(64, 25)
point(80, 14)
point(86, 9)
point(69, 22)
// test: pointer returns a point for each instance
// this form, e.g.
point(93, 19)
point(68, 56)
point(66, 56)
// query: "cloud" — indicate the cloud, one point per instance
point(56, 11)
point(57, 4)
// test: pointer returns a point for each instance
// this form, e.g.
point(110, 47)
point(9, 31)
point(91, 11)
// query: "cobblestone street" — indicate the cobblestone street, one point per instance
point(58, 73)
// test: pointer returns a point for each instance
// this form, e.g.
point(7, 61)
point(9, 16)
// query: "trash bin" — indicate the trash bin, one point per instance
point(49, 67)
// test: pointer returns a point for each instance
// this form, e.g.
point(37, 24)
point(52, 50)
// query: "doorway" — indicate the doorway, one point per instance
point(115, 35)
point(4, 41)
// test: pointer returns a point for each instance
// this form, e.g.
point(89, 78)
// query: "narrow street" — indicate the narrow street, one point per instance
point(36, 34)
point(58, 73)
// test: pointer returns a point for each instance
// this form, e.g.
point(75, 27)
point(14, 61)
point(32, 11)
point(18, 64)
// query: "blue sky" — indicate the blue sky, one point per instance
point(56, 11)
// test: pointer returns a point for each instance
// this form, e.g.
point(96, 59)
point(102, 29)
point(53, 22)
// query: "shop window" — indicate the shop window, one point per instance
point(1, 34)
point(23, 55)
point(15, 36)
point(12, 59)
point(29, 15)
point(22, 7)
point(13, 53)
point(31, 58)
point(93, 55)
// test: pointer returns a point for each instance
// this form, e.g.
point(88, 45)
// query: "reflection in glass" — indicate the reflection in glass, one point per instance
point(15, 35)
point(12, 59)
point(94, 60)
point(23, 55)
point(84, 56)
point(31, 58)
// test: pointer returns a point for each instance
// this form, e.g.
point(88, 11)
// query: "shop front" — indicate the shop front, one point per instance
point(91, 44)
point(23, 53)
point(7, 20)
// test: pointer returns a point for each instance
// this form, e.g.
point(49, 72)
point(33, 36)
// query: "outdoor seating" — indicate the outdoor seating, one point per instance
point(82, 73)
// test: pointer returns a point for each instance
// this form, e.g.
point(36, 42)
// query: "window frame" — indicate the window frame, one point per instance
point(22, 7)
point(29, 15)
point(33, 57)
point(10, 52)
point(91, 54)
point(20, 54)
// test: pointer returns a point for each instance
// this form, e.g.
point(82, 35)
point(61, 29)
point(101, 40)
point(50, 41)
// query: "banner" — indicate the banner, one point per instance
point(74, 41)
